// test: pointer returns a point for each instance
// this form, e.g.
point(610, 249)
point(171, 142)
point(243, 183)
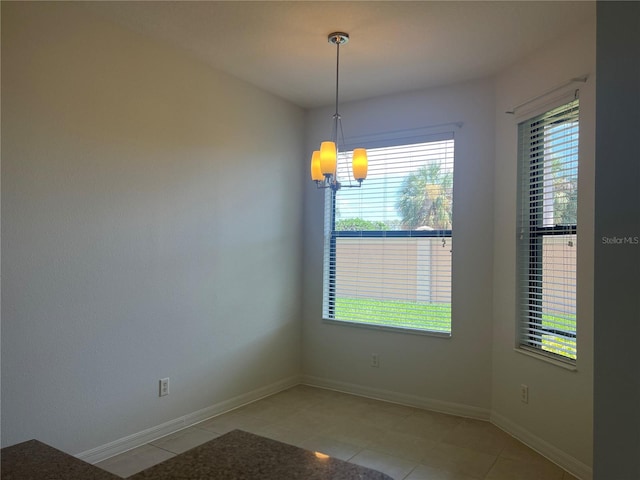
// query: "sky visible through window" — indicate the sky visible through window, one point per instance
point(388, 168)
point(561, 174)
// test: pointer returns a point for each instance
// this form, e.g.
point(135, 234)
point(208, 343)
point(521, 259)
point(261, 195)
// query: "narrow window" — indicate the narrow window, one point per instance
point(388, 245)
point(547, 245)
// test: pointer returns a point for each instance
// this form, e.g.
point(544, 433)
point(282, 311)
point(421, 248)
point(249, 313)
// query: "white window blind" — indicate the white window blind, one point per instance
point(548, 164)
point(388, 245)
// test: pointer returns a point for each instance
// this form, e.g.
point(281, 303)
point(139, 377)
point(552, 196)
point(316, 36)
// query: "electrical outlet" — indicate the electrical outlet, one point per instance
point(164, 387)
point(375, 360)
point(524, 393)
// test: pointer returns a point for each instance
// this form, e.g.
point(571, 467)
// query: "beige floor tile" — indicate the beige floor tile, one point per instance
point(404, 442)
point(402, 445)
point(307, 420)
point(423, 472)
point(454, 459)
point(387, 407)
point(429, 425)
point(568, 476)
point(507, 469)
point(379, 416)
point(338, 411)
point(397, 468)
point(134, 461)
point(283, 434)
point(300, 396)
point(271, 411)
point(331, 447)
point(478, 435)
point(331, 410)
point(325, 395)
point(184, 440)
point(516, 450)
point(232, 421)
point(353, 432)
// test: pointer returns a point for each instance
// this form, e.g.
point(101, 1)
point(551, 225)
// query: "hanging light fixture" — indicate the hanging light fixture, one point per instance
point(324, 162)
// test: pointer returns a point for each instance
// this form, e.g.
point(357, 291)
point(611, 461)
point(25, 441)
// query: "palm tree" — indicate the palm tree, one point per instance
point(426, 199)
point(565, 192)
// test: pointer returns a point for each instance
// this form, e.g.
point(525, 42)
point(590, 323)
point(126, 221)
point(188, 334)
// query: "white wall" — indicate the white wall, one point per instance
point(150, 228)
point(449, 374)
point(559, 413)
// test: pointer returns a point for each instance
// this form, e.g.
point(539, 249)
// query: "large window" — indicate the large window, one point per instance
point(388, 245)
point(548, 172)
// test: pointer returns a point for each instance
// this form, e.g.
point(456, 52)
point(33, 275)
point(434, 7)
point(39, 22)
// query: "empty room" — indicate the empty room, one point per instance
point(317, 239)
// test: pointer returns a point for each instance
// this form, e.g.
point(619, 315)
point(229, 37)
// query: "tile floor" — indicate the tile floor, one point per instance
point(405, 443)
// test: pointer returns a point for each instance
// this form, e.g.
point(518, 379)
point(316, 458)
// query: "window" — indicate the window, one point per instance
point(548, 172)
point(388, 244)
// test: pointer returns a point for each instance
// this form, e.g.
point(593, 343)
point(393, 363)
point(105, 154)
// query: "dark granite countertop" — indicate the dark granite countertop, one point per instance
point(239, 455)
point(34, 460)
point(236, 455)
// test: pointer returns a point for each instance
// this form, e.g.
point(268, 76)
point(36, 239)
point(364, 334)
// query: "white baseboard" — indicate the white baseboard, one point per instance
point(562, 459)
point(403, 399)
point(554, 454)
point(129, 442)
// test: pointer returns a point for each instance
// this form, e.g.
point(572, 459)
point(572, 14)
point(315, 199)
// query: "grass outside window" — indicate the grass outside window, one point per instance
point(431, 317)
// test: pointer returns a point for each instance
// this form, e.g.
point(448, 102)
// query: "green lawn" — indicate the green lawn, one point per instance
point(559, 344)
point(436, 317)
point(432, 317)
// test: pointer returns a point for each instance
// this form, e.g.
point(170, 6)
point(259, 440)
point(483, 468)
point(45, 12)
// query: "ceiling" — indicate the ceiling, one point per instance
point(395, 46)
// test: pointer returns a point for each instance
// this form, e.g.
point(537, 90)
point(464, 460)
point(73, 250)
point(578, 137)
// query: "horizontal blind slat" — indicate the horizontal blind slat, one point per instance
point(548, 171)
point(404, 281)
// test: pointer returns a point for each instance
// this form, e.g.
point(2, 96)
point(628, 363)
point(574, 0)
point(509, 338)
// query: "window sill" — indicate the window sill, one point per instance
point(567, 365)
point(388, 328)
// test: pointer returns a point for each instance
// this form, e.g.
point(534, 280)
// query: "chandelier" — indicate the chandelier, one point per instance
point(324, 162)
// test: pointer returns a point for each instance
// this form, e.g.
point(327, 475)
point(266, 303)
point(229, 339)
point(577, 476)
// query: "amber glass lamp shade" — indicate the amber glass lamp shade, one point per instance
point(328, 158)
point(316, 173)
point(360, 164)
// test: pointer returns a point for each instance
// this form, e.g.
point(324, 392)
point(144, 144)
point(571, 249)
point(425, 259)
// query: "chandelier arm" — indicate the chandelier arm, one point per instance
point(341, 137)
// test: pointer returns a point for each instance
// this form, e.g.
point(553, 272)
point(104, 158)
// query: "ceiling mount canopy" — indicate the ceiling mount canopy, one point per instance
point(338, 38)
point(324, 162)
